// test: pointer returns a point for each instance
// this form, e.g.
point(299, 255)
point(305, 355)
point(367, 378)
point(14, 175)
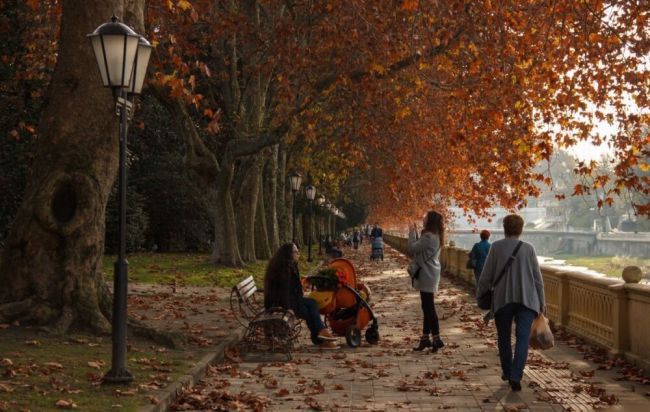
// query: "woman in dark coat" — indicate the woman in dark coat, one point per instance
point(282, 288)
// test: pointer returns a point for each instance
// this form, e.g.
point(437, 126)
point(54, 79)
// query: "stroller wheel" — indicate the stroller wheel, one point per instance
point(372, 335)
point(353, 336)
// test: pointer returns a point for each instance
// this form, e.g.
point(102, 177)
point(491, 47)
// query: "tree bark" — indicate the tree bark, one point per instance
point(270, 190)
point(49, 271)
point(285, 201)
point(247, 200)
point(262, 244)
point(226, 250)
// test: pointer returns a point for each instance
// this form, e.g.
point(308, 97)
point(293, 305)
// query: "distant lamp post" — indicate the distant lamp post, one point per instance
point(320, 200)
point(311, 194)
point(122, 57)
point(295, 179)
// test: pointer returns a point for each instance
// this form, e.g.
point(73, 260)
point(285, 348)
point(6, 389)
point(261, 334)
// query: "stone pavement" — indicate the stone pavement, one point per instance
point(465, 375)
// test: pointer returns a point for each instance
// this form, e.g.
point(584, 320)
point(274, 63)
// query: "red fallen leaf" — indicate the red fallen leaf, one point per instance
point(313, 403)
point(4, 406)
point(282, 392)
point(153, 399)
point(66, 404)
point(53, 365)
point(5, 388)
point(130, 392)
point(4, 325)
point(271, 384)
point(6, 362)
point(338, 387)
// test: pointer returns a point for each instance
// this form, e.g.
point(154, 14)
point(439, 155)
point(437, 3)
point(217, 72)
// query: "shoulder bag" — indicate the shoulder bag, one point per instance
point(485, 300)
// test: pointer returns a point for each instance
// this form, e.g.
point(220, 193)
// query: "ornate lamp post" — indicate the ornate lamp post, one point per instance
point(122, 57)
point(295, 179)
point(311, 194)
point(319, 202)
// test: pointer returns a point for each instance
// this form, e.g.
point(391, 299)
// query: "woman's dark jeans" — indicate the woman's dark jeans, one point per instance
point(513, 368)
point(309, 312)
point(430, 322)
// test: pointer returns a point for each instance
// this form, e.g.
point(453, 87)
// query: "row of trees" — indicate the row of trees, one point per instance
point(390, 103)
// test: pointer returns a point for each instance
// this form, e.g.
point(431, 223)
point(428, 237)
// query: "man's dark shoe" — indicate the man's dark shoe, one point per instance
point(515, 386)
point(425, 342)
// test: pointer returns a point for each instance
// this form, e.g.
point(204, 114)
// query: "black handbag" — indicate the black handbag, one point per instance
point(471, 261)
point(485, 300)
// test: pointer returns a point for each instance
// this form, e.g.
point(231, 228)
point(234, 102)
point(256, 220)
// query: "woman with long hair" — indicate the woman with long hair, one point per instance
point(426, 253)
point(282, 288)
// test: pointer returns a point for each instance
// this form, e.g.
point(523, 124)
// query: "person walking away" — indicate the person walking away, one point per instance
point(426, 252)
point(479, 253)
point(376, 231)
point(356, 239)
point(518, 296)
point(282, 288)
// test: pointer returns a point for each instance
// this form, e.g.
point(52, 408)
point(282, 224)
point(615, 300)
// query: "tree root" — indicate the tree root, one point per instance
point(171, 340)
point(12, 311)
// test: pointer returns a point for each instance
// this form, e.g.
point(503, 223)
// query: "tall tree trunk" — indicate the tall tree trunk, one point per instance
point(226, 250)
point(284, 197)
point(49, 271)
point(262, 244)
point(270, 190)
point(247, 209)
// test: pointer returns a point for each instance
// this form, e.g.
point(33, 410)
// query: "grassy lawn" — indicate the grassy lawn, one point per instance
point(608, 265)
point(37, 371)
point(192, 269)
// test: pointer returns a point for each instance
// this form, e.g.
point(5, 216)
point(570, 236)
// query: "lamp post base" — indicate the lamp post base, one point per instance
point(119, 376)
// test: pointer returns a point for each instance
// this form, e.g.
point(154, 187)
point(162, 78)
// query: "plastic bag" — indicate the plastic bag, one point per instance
point(541, 336)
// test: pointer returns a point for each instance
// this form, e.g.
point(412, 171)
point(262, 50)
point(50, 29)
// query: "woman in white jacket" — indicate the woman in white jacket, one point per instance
point(426, 252)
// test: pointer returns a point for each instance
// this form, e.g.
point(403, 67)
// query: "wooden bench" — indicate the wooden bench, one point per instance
point(267, 330)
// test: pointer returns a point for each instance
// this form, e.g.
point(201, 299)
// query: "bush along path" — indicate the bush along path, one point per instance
point(464, 375)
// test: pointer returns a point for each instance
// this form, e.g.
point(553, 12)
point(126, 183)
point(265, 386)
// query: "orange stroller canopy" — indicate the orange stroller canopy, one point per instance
point(345, 271)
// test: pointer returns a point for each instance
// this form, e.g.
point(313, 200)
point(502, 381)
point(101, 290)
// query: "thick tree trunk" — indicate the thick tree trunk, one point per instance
point(226, 250)
point(270, 190)
point(247, 200)
point(49, 271)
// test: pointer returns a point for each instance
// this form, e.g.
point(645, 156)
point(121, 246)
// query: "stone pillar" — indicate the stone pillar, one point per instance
point(620, 328)
point(564, 300)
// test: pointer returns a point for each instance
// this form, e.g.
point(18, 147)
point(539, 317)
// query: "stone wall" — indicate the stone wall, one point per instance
point(605, 311)
point(550, 243)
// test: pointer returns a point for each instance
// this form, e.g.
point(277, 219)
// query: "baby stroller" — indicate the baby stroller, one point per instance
point(377, 249)
point(344, 302)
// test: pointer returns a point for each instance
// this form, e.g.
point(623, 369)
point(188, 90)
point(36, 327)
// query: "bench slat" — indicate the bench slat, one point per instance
point(245, 283)
point(249, 292)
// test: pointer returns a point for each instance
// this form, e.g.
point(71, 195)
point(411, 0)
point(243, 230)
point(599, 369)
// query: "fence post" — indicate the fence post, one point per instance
point(564, 300)
point(620, 327)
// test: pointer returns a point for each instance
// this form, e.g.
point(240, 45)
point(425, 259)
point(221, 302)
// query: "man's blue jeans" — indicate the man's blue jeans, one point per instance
point(513, 368)
point(309, 312)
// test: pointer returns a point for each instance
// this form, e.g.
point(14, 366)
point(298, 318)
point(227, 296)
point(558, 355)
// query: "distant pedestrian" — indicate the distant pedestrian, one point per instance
point(356, 238)
point(479, 254)
point(518, 295)
point(426, 253)
point(376, 231)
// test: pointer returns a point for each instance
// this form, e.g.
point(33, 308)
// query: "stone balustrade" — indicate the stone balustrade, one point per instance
point(606, 311)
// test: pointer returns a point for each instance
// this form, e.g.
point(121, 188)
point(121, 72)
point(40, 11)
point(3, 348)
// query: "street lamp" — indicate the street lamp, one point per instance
point(295, 179)
point(311, 194)
point(319, 202)
point(122, 57)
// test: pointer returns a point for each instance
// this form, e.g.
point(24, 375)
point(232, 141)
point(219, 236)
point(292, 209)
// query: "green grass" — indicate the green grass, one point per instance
point(191, 269)
point(37, 371)
point(607, 265)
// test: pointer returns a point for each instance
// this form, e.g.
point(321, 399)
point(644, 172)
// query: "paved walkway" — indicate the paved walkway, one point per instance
point(465, 375)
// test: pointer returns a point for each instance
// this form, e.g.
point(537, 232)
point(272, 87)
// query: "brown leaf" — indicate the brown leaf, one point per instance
point(6, 362)
point(282, 392)
point(66, 404)
point(53, 365)
point(96, 364)
point(32, 342)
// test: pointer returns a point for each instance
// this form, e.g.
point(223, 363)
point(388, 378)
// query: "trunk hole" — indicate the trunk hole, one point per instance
point(64, 203)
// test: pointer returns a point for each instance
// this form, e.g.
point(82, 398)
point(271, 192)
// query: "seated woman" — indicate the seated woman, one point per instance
point(282, 288)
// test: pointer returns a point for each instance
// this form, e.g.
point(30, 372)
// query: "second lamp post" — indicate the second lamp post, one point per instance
point(311, 194)
point(295, 179)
